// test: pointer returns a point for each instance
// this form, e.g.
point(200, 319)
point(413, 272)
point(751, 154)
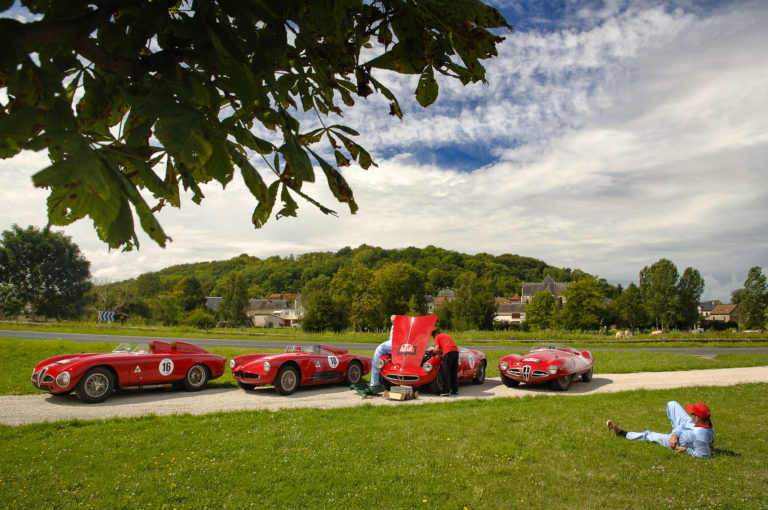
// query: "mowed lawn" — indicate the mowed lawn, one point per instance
point(544, 451)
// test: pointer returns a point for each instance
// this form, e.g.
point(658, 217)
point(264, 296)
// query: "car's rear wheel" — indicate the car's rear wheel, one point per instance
point(246, 387)
point(509, 382)
point(587, 376)
point(96, 385)
point(354, 373)
point(196, 378)
point(562, 383)
point(287, 380)
point(480, 376)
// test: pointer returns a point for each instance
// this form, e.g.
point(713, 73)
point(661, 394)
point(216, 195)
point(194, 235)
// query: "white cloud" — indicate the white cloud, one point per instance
point(640, 134)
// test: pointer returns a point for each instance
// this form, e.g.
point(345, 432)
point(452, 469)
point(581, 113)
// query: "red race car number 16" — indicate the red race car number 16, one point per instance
point(166, 366)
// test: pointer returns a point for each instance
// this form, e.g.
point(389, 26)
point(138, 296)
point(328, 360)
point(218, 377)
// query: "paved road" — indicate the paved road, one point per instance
point(24, 409)
point(280, 344)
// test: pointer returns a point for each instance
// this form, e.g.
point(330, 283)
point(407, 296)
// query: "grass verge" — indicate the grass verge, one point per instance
point(532, 452)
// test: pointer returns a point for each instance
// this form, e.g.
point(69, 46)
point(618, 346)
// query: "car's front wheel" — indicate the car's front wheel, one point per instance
point(96, 385)
point(354, 373)
point(509, 382)
point(436, 386)
point(587, 376)
point(562, 383)
point(196, 378)
point(287, 380)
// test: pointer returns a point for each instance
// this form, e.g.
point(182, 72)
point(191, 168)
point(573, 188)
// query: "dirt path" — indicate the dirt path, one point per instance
point(24, 409)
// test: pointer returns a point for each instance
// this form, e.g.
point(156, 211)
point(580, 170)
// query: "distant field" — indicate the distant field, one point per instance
point(537, 452)
point(504, 338)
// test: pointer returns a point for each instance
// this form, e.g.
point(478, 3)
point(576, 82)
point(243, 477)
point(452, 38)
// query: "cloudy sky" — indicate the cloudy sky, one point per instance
point(610, 134)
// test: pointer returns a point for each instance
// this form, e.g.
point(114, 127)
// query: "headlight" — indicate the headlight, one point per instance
point(503, 365)
point(379, 363)
point(231, 363)
point(63, 379)
point(266, 366)
point(552, 369)
point(427, 366)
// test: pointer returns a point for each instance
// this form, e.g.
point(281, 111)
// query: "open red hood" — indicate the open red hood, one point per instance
point(410, 338)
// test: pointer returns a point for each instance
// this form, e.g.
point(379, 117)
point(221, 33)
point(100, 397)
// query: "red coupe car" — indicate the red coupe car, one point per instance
point(556, 364)
point(412, 362)
point(93, 376)
point(299, 366)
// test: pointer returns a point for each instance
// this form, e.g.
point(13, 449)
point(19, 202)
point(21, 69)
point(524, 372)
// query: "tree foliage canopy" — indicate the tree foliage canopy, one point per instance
point(136, 98)
point(752, 299)
point(46, 271)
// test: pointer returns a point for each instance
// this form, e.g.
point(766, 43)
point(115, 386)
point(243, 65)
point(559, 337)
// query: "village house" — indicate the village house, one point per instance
point(725, 313)
point(555, 288)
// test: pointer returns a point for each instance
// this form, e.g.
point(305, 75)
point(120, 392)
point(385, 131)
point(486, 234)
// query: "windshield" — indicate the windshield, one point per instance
point(549, 347)
point(124, 347)
point(141, 349)
point(293, 348)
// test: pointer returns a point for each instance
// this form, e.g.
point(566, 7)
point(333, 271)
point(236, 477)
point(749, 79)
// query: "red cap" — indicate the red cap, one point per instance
point(699, 409)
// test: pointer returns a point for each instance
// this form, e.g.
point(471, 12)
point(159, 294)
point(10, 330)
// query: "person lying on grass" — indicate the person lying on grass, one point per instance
point(692, 434)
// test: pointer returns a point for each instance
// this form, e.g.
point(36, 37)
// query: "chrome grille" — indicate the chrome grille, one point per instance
point(539, 373)
point(527, 372)
point(397, 377)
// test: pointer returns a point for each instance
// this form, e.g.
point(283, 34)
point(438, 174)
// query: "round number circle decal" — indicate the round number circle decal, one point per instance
point(471, 362)
point(333, 361)
point(166, 366)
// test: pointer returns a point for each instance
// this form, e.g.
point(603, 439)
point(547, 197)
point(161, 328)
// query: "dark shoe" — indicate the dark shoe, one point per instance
point(615, 428)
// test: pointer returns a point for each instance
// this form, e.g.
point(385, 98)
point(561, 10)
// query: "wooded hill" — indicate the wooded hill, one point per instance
point(503, 274)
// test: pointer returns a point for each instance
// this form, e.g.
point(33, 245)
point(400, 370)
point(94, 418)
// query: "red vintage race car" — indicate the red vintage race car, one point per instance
point(556, 364)
point(93, 376)
point(299, 366)
point(412, 362)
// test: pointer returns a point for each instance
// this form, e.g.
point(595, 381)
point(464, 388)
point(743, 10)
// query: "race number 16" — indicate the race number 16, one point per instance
point(166, 366)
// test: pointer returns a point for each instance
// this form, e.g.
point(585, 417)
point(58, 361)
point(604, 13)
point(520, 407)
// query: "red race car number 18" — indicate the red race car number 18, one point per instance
point(166, 366)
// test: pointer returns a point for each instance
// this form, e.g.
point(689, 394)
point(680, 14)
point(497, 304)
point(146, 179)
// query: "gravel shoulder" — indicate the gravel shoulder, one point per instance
point(26, 409)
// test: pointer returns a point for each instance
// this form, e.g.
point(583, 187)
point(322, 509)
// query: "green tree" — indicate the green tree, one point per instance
point(752, 300)
point(234, 299)
point(583, 308)
point(148, 285)
point(150, 96)
point(541, 312)
point(366, 313)
point(10, 304)
point(629, 308)
point(190, 294)
point(658, 285)
point(689, 289)
point(395, 284)
point(199, 319)
point(474, 306)
point(46, 271)
point(323, 313)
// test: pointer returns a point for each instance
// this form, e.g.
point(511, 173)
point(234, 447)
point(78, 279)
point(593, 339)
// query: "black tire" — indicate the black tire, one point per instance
point(480, 376)
point(354, 373)
point(436, 386)
point(587, 376)
point(196, 378)
point(287, 380)
point(96, 385)
point(246, 387)
point(562, 383)
point(508, 382)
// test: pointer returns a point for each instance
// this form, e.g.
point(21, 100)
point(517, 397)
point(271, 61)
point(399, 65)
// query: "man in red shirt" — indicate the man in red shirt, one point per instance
point(450, 368)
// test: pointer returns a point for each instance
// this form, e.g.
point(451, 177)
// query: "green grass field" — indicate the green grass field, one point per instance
point(532, 452)
point(543, 451)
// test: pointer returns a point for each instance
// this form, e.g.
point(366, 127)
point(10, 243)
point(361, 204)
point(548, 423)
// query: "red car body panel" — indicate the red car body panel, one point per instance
point(318, 364)
point(534, 367)
point(160, 363)
point(412, 363)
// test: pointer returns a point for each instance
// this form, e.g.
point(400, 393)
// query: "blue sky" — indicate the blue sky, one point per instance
point(609, 135)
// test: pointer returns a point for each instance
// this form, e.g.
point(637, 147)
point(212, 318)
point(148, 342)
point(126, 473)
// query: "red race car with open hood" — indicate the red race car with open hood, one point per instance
point(556, 364)
point(412, 362)
point(300, 366)
point(93, 376)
